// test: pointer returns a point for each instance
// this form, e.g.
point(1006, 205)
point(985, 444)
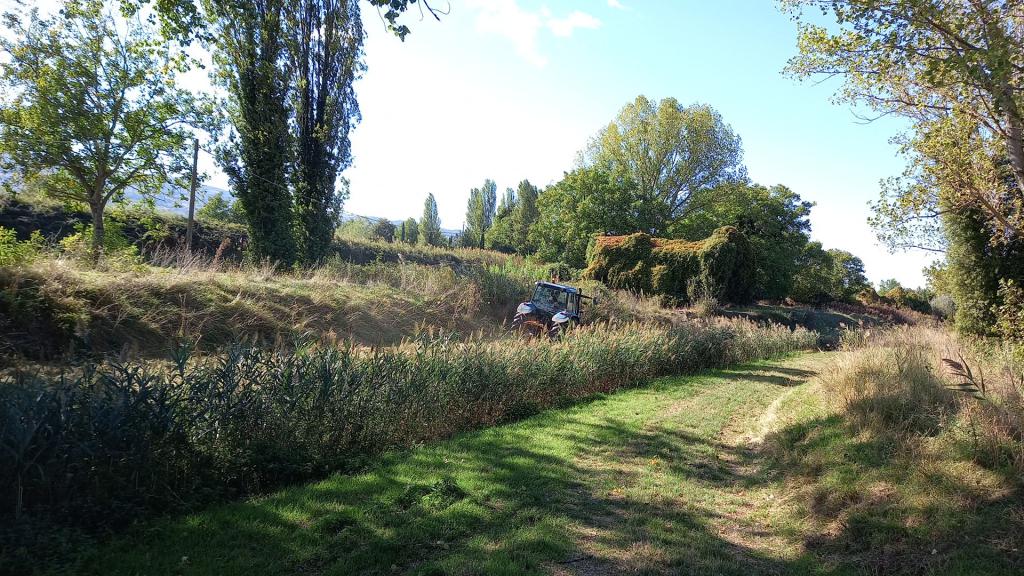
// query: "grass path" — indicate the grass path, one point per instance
point(654, 480)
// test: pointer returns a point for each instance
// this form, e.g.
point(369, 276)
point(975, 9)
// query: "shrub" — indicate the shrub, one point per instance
point(14, 252)
point(641, 263)
point(117, 248)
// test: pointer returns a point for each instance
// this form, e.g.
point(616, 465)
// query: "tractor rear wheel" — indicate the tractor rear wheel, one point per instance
point(526, 325)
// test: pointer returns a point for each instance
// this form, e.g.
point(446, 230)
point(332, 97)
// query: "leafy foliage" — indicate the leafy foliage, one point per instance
point(480, 214)
point(430, 224)
point(91, 107)
point(827, 275)
point(513, 219)
point(670, 153)
point(384, 230)
point(251, 47)
point(221, 209)
point(587, 201)
point(719, 266)
point(953, 69)
point(1010, 311)
point(14, 252)
point(324, 47)
point(409, 231)
point(774, 220)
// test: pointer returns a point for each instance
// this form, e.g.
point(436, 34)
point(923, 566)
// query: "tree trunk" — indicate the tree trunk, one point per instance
point(97, 231)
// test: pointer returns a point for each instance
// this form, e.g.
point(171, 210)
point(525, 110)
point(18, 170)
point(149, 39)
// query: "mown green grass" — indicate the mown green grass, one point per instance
point(641, 479)
point(663, 479)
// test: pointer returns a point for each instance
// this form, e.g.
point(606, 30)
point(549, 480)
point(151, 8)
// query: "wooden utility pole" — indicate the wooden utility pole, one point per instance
point(192, 196)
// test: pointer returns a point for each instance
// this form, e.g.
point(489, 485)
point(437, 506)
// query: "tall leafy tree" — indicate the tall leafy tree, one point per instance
point(384, 230)
point(325, 40)
point(524, 215)
point(480, 214)
point(826, 275)
point(251, 43)
point(430, 224)
point(671, 152)
point(500, 237)
point(930, 60)
point(953, 69)
point(516, 214)
point(90, 108)
point(586, 202)
point(185, 20)
point(774, 220)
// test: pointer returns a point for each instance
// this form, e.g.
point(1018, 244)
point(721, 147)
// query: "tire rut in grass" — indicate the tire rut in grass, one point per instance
point(680, 492)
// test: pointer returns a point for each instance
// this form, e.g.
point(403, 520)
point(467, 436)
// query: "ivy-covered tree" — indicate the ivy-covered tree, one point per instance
point(324, 39)
point(250, 54)
point(430, 224)
point(90, 109)
point(774, 220)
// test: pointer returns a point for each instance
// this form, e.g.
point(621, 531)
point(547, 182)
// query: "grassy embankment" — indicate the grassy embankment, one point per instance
point(856, 462)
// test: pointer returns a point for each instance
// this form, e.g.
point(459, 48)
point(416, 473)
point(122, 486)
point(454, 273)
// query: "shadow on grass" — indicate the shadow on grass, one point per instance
point(888, 506)
point(545, 497)
point(533, 498)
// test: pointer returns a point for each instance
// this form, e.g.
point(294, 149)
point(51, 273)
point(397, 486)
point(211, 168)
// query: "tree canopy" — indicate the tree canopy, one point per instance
point(774, 221)
point(91, 107)
point(586, 202)
point(480, 214)
point(430, 224)
point(948, 66)
point(670, 152)
point(954, 70)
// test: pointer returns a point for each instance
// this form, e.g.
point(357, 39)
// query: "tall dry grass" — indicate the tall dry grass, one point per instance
point(922, 380)
point(57, 305)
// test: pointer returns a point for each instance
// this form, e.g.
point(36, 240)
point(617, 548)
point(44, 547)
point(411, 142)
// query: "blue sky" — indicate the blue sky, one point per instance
point(513, 89)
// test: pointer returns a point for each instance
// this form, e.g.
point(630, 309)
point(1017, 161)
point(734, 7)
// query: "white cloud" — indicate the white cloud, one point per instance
point(616, 4)
point(564, 27)
point(505, 18)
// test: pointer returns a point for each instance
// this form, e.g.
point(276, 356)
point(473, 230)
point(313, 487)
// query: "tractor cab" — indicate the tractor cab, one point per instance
point(553, 308)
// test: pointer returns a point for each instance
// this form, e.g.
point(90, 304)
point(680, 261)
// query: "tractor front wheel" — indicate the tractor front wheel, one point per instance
point(558, 330)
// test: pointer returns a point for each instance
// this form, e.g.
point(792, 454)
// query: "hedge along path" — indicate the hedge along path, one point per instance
point(646, 480)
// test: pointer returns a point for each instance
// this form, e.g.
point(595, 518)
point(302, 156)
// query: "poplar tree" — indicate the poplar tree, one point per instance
point(430, 225)
point(325, 39)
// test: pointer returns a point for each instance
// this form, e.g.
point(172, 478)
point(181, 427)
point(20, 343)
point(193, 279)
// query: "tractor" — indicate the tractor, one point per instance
point(552, 310)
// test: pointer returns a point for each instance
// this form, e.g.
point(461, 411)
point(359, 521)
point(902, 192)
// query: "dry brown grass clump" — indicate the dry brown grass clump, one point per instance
point(923, 379)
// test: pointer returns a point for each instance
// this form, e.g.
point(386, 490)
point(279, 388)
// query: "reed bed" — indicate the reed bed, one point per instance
point(114, 441)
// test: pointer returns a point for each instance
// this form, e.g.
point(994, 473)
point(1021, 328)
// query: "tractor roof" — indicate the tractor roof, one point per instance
point(561, 287)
